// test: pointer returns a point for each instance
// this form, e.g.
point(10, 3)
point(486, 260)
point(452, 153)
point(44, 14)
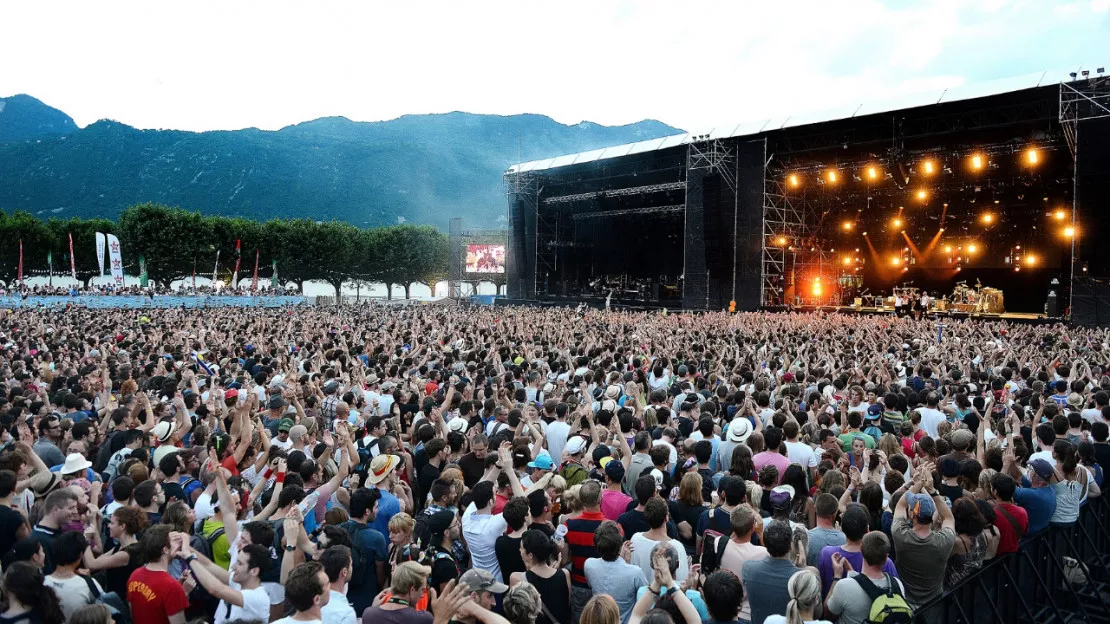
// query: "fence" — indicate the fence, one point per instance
point(136, 301)
point(1030, 586)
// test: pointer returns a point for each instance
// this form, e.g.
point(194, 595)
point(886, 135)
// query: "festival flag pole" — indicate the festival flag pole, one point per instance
point(254, 282)
point(20, 276)
point(72, 260)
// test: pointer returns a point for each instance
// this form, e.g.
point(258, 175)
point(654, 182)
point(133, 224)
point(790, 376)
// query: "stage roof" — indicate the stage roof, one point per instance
point(954, 93)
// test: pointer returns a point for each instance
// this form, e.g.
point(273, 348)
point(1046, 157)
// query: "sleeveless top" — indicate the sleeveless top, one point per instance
point(555, 594)
point(962, 566)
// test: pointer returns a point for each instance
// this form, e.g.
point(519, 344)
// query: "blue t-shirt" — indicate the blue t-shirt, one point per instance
point(694, 596)
point(388, 506)
point(1039, 503)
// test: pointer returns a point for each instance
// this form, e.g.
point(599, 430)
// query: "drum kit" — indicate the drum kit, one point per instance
point(976, 300)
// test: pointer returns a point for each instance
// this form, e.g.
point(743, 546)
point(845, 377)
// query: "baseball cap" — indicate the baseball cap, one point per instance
point(875, 412)
point(921, 506)
point(781, 496)
point(276, 402)
point(1042, 468)
point(285, 425)
point(481, 580)
point(542, 462)
point(614, 470)
point(575, 445)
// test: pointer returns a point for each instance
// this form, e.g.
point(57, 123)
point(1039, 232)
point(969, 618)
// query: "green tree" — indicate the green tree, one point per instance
point(171, 239)
point(84, 244)
point(37, 241)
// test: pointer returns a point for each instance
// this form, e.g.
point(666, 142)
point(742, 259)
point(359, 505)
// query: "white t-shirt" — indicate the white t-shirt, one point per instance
point(557, 433)
point(1045, 455)
point(1091, 415)
point(256, 606)
point(930, 418)
point(285, 446)
point(802, 454)
point(641, 556)
point(290, 620)
point(674, 453)
point(338, 610)
point(481, 532)
point(73, 592)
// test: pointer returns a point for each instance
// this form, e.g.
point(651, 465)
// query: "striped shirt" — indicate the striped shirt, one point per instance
point(580, 538)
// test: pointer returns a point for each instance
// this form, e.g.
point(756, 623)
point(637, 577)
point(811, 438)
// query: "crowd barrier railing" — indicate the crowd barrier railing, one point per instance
point(1058, 575)
point(158, 301)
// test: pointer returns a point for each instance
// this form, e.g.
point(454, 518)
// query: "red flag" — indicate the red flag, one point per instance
point(254, 282)
point(72, 261)
point(20, 276)
point(238, 257)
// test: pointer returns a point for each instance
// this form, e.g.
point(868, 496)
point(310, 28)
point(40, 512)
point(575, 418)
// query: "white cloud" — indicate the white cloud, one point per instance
point(221, 65)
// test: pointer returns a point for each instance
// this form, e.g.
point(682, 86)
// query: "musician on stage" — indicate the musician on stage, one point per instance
point(923, 309)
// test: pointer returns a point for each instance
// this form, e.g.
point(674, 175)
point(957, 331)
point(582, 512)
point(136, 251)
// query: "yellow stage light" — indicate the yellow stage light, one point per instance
point(847, 261)
point(972, 248)
point(1059, 214)
point(1069, 231)
point(948, 249)
point(781, 241)
point(988, 218)
point(872, 173)
point(847, 226)
point(832, 176)
point(817, 287)
point(1030, 260)
point(929, 168)
point(793, 180)
point(897, 223)
point(922, 194)
point(1032, 156)
point(976, 162)
point(896, 261)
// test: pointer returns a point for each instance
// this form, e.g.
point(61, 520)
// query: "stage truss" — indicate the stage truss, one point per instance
point(788, 234)
point(705, 156)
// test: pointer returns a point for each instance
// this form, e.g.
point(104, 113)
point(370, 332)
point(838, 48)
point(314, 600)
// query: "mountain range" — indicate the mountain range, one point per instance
point(416, 168)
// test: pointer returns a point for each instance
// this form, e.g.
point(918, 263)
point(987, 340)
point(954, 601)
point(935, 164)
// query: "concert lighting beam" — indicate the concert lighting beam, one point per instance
point(922, 195)
point(794, 180)
point(872, 173)
point(988, 218)
point(972, 248)
point(1059, 214)
point(929, 167)
point(847, 226)
point(896, 261)
point(976, 162)
point(1069, 232)
point(832, 176)
point(896, 222)
point(1032, 157)
point(781, 241)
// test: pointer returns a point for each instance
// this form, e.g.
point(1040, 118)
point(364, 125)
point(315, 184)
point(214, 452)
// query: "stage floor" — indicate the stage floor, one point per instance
point(940, 314)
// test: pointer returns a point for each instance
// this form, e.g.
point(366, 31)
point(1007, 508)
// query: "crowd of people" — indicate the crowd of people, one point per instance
point(183, 289)
point(411, 465)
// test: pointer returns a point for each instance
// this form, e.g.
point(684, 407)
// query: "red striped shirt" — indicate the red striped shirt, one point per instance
point(580, 538)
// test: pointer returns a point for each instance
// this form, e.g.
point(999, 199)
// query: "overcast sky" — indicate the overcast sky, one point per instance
point(226, 65)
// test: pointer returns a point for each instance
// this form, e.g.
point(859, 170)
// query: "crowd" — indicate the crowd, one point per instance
point(528, 466)
point(183, 289)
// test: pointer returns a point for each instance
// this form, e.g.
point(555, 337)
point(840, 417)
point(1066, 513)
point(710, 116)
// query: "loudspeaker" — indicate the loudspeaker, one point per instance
point(1052, 305)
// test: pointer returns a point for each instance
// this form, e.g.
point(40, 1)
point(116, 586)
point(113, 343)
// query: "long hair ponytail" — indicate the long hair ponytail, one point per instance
point(1066, 455)
point(25, 581)
point(805, 595)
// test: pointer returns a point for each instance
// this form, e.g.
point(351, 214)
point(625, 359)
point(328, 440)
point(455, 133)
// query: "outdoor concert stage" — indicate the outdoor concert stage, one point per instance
point(977, 194)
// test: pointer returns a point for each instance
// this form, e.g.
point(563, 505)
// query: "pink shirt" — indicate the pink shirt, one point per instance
point(614, 503)
point(774, 459)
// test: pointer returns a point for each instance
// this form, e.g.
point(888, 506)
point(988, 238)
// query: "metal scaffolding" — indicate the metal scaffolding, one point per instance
point(789, 224)
point(526, 188)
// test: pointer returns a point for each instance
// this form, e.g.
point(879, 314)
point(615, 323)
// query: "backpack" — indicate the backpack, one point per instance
point(358, 557)
point(118, 607)
point(205, 545)
point(888, 606)
point(711, 557)
point(574, 474)
point(709, 532)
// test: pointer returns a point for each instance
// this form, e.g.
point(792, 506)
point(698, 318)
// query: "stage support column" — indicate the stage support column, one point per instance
point(695, 282)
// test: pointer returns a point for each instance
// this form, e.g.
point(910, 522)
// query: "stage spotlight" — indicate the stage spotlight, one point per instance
point(1032, 156)
point(832, 176)
point(977, 162)
point(781, 241)
point(847, 261)
point(872, 173)
point(948, 249)
point(1069, 231)
point(988, 218)
point(972, 248)
point(793, 180)
point(847, 226)
point(958, 269)
point(817, 287)
point(896, 261)
point(1030, 260)
point(1059, 214)
point(897, 223)
point(922, 195)
point(929, 167)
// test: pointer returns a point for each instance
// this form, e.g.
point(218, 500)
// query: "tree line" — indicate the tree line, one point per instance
point(176, 243)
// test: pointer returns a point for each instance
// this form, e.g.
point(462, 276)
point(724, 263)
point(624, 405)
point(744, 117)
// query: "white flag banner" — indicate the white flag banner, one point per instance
point(116, 260)
point(100, 251)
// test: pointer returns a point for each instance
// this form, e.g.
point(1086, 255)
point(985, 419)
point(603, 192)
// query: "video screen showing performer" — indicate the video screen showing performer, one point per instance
point(485, 259)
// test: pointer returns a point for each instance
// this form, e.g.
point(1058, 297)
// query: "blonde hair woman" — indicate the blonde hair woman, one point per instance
point(805, 597)
point(601, 609)
point(521, 603)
